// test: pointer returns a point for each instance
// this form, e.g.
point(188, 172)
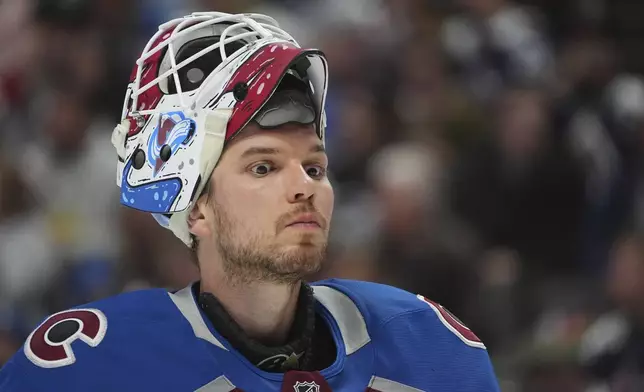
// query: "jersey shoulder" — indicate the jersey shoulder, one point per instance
point(381, 304)
point(403, 326)
point(112, 335)
point(49, 345)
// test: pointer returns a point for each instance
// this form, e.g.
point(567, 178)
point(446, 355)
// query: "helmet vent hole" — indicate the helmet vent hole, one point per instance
point(138, 159)
point(195, 75)
point(166, 152)
point(240, 91)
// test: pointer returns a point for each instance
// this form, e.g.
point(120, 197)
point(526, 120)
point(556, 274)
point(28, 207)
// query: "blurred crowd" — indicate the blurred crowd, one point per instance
point(485, 153)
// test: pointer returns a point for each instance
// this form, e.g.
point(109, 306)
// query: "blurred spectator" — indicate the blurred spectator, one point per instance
point(521, 188)
point(420, 245)
point(25, 250)
point(404, 228)
point(359, 139)
point(599, 112)
point(68, 169)
point(613, 347)
point(18, 46)
point(496, 43)
point(153, 256)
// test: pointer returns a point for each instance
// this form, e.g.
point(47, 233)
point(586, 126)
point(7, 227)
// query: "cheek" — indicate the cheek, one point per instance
point(249, 206)
point(325, 200)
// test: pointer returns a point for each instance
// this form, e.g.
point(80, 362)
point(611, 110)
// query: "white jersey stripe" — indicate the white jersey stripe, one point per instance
point(186, 304)
point(219, 384)
point(352, 325)
point(380, 384)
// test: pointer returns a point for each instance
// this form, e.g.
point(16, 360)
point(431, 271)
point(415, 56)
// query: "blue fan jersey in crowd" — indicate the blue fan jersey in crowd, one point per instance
point(152, 340)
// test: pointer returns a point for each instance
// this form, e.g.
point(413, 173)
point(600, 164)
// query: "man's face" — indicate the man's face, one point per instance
point(271, 204)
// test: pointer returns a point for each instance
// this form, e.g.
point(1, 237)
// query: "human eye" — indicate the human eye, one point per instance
point(315, 171)
point(261, 169)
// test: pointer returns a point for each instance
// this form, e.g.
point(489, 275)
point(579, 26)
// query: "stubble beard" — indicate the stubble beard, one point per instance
point(247, 259)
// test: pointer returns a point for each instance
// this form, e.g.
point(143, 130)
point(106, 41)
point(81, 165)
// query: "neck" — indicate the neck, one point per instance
point(264, 310)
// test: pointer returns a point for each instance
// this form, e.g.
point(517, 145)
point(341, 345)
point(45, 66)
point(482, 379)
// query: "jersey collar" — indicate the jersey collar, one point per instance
point(347, 315)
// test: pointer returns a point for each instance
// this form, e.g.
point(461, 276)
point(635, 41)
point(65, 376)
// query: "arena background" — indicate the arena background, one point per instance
point(486, 154)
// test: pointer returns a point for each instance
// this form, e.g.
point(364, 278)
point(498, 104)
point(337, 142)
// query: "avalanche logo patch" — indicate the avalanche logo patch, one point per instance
point(50, 345)
point(172, 132)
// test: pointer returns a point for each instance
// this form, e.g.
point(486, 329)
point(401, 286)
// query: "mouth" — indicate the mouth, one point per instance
point(306, 221)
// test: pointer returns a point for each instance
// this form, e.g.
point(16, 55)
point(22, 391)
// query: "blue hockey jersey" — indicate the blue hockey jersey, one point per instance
point(153, 340)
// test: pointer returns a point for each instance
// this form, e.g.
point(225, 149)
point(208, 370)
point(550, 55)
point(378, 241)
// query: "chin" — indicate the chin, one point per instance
point(305, 256)
point(304, 249)
point(307, 245)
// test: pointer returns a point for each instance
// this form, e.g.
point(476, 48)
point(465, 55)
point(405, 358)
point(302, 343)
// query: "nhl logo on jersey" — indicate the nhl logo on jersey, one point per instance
point(306, 387)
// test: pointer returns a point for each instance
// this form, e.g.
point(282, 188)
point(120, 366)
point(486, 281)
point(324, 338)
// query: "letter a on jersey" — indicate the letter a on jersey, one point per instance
point(50, 345)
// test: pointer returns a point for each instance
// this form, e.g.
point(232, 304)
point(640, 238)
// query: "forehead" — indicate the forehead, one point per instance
point(297, 136)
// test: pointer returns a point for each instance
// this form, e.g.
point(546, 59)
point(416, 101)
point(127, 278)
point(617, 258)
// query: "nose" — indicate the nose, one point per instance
point(299, 186)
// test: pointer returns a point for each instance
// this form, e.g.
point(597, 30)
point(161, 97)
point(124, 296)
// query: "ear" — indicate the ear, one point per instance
point(197, 219)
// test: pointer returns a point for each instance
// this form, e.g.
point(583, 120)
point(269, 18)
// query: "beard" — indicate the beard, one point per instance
point(247, 259)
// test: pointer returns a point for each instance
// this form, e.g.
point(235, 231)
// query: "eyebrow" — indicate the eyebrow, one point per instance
point(259, 151)
point(274, 151)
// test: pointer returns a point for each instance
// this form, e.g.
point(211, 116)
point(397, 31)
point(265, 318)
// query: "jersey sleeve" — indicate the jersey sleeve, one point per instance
point(12, 378)
point(440, 345)
point(116, 344)
point(60, 351)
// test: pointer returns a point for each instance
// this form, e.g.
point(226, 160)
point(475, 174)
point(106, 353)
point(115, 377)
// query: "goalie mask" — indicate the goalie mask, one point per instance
point(199, 81)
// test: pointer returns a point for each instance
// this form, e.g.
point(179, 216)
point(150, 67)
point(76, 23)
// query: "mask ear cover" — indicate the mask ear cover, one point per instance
point(192, 75)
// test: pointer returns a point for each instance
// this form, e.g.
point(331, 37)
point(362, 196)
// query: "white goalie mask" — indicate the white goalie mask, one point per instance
point(198, 82)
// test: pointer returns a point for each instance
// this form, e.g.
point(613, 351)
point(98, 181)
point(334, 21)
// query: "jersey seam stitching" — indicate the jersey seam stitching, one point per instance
point(407, 312)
